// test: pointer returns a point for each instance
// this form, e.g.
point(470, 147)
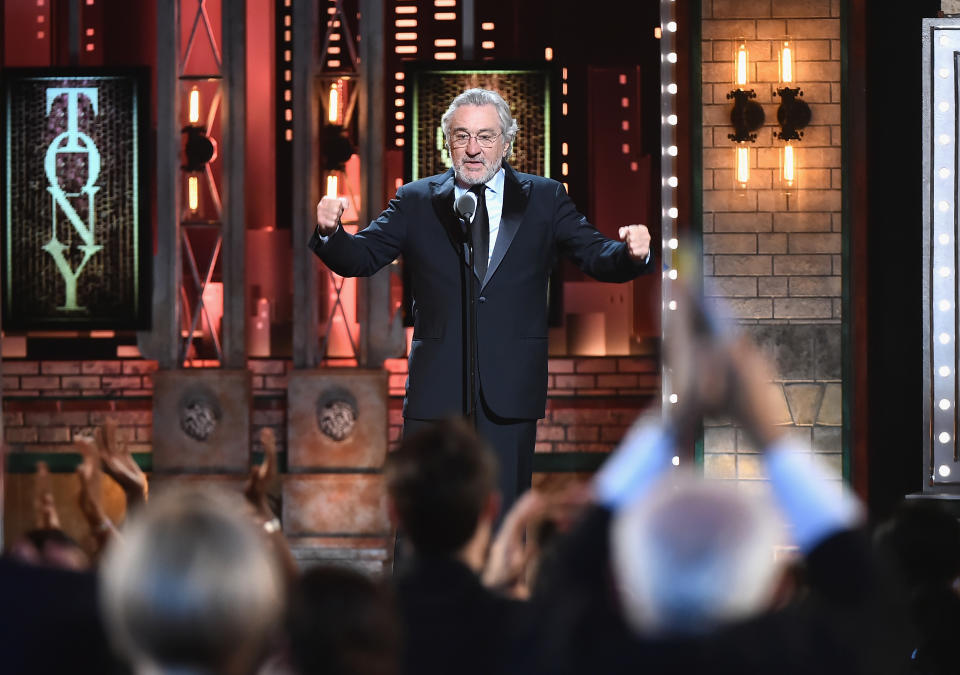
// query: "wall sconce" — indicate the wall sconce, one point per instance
point(794, 113)
point(746, 116)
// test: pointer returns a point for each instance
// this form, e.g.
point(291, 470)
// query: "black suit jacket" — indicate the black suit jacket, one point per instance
point(50, 622)
point(451, 623)
point(539, 221)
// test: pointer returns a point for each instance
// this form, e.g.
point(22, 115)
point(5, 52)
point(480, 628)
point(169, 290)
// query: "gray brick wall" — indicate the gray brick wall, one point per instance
point(772, 259)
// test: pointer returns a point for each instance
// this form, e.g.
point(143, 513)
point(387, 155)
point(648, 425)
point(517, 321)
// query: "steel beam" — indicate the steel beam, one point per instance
point(305, 191)
point(233, 220)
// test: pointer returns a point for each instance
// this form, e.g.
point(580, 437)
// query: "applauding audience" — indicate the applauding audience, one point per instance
point(649, 569)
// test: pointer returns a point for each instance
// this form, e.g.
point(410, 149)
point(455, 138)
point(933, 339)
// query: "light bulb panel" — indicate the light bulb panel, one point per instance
point(941, 456)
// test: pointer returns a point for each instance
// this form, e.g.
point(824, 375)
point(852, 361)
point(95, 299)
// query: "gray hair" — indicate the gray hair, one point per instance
point(693, 555)
point(508, 125)
point(191, 586)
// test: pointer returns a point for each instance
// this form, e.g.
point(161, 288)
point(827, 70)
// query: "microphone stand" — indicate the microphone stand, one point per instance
point(470, 290)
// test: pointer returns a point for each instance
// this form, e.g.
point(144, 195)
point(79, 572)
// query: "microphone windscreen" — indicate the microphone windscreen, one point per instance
point(466, 206)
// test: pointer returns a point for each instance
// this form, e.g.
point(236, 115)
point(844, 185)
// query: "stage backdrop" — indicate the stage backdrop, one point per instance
point(75, 237)
point(528, 91)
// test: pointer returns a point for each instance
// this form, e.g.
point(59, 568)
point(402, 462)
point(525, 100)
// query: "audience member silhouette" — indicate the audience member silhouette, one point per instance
point(441, 486)
point(191, 587)
point(921, 542)
point(49, 619)
point(341, 622)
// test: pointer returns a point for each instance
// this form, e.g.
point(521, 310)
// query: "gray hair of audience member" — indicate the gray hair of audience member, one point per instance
point(191, 586)
point(508, 125)
point(693, 555)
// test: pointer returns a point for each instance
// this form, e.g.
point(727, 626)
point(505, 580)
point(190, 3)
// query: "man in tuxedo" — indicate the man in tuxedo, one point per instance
point(522, 222)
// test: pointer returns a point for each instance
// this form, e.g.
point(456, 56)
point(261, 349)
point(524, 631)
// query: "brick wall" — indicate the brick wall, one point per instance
point(592, 401)
point(771, 260)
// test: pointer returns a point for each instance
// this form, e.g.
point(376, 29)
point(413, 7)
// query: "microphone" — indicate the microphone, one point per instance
point(466, 206)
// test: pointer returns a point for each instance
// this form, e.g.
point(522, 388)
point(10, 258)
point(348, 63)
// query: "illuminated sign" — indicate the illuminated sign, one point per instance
point(527, 91)
point(75, 237)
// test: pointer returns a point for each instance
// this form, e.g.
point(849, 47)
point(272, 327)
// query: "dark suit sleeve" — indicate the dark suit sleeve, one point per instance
point(364, 253)
point(602, 258)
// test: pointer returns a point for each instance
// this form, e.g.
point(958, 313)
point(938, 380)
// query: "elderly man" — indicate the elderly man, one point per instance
point(522, 222)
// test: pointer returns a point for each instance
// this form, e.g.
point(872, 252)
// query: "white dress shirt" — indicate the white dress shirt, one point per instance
point(494, 197)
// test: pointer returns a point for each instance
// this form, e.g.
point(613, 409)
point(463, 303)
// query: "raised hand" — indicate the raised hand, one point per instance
point(637, 239)
point(118, 463)
point(514, 552)
point(329, 211)
point(45, 509)
point(101, 527)
point(263, 475)
point(508, 556)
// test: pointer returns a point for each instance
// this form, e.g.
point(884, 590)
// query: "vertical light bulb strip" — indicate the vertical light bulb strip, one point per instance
point(285, 85)
point(940, 256)
point(668, 182)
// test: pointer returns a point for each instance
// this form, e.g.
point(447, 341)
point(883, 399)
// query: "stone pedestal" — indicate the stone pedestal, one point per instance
point(334, 501)
point(334, 505)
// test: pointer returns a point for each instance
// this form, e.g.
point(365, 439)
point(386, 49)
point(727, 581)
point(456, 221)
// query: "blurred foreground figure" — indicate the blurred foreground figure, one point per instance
point(49, 620)
point(921, 542)
point(441, 486)
point(191, 587)
point(694, 555)
point(341, 622)
point(669, 573)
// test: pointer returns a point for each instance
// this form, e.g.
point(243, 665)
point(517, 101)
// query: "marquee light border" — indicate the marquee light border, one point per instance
point(941, 126)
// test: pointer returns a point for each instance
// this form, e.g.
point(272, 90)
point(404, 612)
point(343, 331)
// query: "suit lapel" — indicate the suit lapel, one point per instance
point(441, 197)
point(515, 197)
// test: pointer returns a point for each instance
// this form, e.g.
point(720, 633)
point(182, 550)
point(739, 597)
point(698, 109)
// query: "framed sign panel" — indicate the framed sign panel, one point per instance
point(527, 90)
point(75, 237)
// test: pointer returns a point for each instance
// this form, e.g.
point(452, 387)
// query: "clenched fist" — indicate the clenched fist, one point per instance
point(329, 211)
point(637, 239)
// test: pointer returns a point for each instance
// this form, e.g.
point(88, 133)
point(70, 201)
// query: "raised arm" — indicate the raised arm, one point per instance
point(364, 253)
point(602, 258)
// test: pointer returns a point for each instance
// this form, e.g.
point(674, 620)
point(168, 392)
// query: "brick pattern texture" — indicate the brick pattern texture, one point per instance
point(769, 257)
point(46, 403)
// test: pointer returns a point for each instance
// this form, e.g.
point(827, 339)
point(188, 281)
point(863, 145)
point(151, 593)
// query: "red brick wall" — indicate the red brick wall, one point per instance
point(592, 401)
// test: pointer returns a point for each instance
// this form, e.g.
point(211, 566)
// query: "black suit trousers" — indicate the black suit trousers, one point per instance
point(512, 441)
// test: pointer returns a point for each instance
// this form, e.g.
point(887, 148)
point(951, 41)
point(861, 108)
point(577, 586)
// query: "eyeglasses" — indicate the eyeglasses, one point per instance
point(484, 139)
